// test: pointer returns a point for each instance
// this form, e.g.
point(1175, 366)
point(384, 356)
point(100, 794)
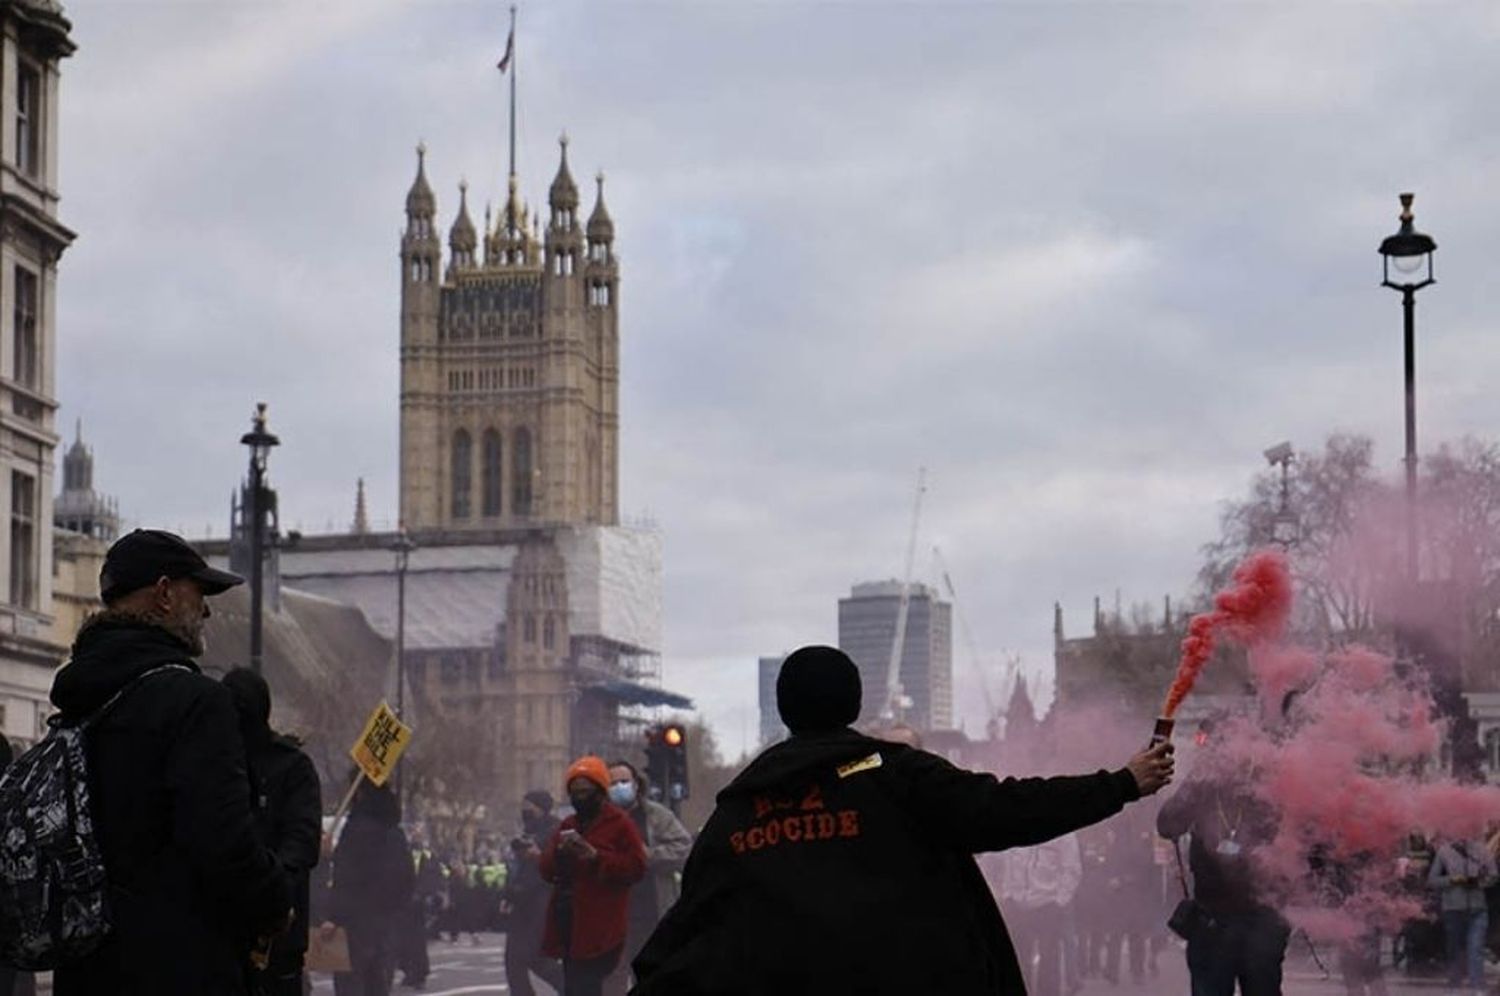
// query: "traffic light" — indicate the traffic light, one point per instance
point(656, 764)
point(674, 739)
point(667, 764)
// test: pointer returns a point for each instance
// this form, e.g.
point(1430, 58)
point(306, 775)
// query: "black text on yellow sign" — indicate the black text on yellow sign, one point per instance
point(381, 744)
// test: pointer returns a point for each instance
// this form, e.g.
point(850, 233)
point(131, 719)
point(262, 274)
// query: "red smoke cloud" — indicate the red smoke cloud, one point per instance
point(1350, 769)
point(1251, 611)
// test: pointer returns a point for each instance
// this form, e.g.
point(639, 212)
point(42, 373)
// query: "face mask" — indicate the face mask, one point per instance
point(622, 794)
point(531, 822)
point(587, 805)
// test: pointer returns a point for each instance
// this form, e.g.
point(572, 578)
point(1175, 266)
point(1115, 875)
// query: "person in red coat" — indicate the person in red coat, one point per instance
point(592, 860)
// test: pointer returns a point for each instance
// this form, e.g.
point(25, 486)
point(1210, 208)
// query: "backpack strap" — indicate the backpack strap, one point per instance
point(110, 703)
point(1181, 868)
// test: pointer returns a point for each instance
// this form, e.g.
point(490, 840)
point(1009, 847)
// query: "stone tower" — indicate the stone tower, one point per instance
point(537, 712)
point(80, 509)
point(509, 364)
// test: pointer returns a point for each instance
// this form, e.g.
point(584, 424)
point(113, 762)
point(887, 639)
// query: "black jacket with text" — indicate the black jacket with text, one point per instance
point(843, 864)
point(188, 880)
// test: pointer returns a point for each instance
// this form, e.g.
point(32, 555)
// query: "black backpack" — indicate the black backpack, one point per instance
point(54, 907)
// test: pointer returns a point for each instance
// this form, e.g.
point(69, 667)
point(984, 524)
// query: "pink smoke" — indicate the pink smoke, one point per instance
point(1251, 611)
point(1345, 751)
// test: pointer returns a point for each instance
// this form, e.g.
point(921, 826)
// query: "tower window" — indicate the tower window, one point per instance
point(549, 632)
point(28, 119)
point(521, 471)
point(23, 568)
point(25, 357)
point(529, 629)
point(493, 453)
point(463, 472)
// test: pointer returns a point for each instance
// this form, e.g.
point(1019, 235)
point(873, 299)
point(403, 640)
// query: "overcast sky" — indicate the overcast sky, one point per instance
point(1083, 261)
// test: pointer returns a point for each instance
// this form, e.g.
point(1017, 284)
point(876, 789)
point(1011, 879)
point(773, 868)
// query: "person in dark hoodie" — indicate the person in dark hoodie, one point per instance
point(288, 806)
point(836, 863)
point(189, 882)
point(526, 897)
point(373, 879)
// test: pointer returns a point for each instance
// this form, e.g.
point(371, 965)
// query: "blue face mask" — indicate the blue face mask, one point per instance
point(622, 794)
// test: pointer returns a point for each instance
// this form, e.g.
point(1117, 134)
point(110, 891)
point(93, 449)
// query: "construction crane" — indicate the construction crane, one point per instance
point(895, 699)
point(991, 711)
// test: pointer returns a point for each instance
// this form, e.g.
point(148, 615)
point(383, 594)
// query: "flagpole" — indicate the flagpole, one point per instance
point(513, 90)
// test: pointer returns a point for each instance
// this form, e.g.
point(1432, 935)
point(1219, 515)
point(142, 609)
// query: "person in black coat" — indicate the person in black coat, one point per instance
point(526, 897)
point(288, 803)
point(189, 881)
point(372, 883)
point(837, 863)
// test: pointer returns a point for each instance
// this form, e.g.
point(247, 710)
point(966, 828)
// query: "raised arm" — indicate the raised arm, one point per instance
point(977, 812)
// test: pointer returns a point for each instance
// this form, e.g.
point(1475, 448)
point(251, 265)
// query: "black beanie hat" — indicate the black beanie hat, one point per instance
point(818, 690)
point(540, 798)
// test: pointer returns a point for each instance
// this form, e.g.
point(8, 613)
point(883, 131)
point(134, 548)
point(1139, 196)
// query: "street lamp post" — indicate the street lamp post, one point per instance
point(1284, 527)
point(260, 441)
point(403, 548)
point(1409, 254)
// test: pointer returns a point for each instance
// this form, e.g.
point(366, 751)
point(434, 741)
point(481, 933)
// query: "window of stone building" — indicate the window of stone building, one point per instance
point(493, 455)
point(520, 455)
point(23, 549)
point(549, 633)
point(451, 669)
point(29, 119)
point(471, 670)
point(417, 671)
point(528, 628)
point(462, 473)
point(25, 320)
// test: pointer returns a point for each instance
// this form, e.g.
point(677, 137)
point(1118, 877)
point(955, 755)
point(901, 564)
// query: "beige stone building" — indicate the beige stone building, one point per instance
point(34, 39)
point(509, 364)
point(532, 621)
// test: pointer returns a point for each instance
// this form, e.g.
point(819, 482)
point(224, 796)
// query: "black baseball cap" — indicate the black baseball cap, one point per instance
point(139, 558)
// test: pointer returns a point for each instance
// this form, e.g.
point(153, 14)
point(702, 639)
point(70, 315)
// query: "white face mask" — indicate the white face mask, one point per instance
point(622, 794)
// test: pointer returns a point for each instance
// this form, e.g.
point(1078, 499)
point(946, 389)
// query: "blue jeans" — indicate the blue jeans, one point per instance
point(1245, 947)
point(1463, 933)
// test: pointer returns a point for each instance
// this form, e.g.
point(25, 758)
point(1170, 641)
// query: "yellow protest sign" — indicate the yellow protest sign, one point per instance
point(381, 744)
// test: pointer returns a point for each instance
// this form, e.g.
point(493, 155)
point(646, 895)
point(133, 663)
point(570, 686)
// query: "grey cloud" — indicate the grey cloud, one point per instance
point(1084, 261)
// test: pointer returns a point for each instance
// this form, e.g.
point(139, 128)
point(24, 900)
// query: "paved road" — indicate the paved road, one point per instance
point(467, 969)
point(458, 969)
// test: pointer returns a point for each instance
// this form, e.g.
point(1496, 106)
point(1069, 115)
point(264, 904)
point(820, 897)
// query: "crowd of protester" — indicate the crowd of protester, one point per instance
point(221, 879)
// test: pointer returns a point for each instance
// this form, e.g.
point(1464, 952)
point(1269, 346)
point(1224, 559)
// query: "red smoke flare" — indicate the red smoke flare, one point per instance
point(1253, 609)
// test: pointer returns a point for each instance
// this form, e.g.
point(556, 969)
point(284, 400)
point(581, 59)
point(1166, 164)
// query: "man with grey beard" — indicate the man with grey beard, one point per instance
point(189, 885)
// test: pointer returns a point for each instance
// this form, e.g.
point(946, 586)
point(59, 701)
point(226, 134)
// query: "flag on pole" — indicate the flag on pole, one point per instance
point(510, 49)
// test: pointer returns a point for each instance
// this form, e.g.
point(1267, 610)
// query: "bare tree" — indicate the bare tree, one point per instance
point(1349, 558)
point(1344, 557)
point(451, 773)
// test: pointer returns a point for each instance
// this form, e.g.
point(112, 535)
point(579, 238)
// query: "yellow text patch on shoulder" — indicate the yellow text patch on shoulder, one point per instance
point(863, 764)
